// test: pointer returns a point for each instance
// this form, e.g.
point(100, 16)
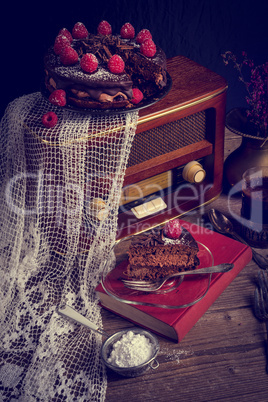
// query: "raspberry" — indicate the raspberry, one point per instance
point(116, 64)
point(148, 48)
point(127, 31)
point(137, 96)
point(89, 63)
point(143, 35)
point(60, 43)
point(50, 119)
point(68, 56)
point(79, 31)
point(65, 32)
point(104, 28)
point(58, 97)
point(172, 229)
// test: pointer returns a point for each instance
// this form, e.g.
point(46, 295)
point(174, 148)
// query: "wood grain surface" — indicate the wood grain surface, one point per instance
point(222, 358)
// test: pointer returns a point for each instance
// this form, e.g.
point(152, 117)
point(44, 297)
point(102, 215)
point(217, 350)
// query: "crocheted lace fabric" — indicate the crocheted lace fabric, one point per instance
point(60, 192)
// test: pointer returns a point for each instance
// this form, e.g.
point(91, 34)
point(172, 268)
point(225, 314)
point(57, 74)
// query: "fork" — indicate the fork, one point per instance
point(153, 285)
point(261, 305)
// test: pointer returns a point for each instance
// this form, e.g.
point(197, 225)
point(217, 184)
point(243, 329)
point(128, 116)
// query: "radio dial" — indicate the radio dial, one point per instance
point(193, 172)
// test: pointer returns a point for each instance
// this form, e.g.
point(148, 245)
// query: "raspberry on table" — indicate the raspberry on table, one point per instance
point(104, 28)
point(116, 64)
point(49, 119)
point(137, 96)
point(127, 31)
point(65, 32)
point(148, 48)
point(79, 31)
point(68, 56)
point(60, 43)
point(172, 229)
point(58, 97)
point(89, 63)
point(143, 35)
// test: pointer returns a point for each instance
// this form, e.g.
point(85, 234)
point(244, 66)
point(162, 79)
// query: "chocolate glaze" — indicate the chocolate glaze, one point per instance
point(146, 73)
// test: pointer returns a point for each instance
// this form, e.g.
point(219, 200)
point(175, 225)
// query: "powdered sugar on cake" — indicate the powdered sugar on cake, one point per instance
point(100, 75)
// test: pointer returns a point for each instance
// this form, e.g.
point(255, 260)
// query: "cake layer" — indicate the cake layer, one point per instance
point(151, 273)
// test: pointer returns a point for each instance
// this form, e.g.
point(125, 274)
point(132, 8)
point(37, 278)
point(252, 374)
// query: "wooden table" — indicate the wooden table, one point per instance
point(222, 358)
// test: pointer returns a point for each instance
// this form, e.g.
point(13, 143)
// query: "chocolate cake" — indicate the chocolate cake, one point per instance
point(155, 256)
point(104, 87)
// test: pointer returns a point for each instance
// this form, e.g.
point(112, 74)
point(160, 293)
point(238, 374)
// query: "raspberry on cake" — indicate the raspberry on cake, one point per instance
point(137, 96)
point(116, 65)
point(89, 63)
point(68, 56)
point(143, 35)
point(127, 31)
point(104, 28)
point(106, 78)
point(152, 256)
point(61, 42)
point(58, 97)
point(65, 32)
point(148, 48)
point(79, 31)
point(172, 229)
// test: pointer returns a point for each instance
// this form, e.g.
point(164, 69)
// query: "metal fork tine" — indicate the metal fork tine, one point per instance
point(143, 285)
point(153, 285)
point(146, 288)
point(136, 283)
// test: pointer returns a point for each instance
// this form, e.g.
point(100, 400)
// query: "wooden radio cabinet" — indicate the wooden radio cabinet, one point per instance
point(186, 125)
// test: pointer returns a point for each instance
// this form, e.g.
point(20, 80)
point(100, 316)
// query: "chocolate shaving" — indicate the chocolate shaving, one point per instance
point(104, 47)
point(152, 239)
point(107, 51)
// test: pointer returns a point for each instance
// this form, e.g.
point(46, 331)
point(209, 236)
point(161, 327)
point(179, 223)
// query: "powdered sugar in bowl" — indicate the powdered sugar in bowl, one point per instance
point(130, 352)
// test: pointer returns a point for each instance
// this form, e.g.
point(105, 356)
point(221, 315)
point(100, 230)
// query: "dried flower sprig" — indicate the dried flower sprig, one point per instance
point(256, 86)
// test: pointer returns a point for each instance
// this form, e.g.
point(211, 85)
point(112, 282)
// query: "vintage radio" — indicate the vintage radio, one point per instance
point(175, 163)
point(176, 160)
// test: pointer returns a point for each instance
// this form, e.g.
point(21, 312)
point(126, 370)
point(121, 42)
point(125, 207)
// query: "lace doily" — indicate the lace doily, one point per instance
point(60, 192)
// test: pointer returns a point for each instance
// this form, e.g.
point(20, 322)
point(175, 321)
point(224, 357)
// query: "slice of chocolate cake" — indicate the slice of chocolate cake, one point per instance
point(155, 256)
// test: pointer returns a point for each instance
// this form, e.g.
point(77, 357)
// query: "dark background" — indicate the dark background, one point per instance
point(201, 30)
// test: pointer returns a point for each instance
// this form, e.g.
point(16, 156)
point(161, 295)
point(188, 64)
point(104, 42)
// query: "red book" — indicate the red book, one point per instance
point(175, 323)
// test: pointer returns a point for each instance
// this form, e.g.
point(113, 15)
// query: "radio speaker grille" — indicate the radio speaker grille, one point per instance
point(168, 137)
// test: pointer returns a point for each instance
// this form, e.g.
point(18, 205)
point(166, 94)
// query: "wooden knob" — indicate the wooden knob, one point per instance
point(98, 209)
point(193, 172)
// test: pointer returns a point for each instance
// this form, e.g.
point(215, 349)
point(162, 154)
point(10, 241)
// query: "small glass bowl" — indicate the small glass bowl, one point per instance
point(136, 370)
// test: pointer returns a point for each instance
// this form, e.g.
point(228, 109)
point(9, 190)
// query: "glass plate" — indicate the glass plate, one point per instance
point(179, 292)
point(143, 104)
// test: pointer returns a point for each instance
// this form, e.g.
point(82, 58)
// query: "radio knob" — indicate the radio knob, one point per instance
point(193, 172)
